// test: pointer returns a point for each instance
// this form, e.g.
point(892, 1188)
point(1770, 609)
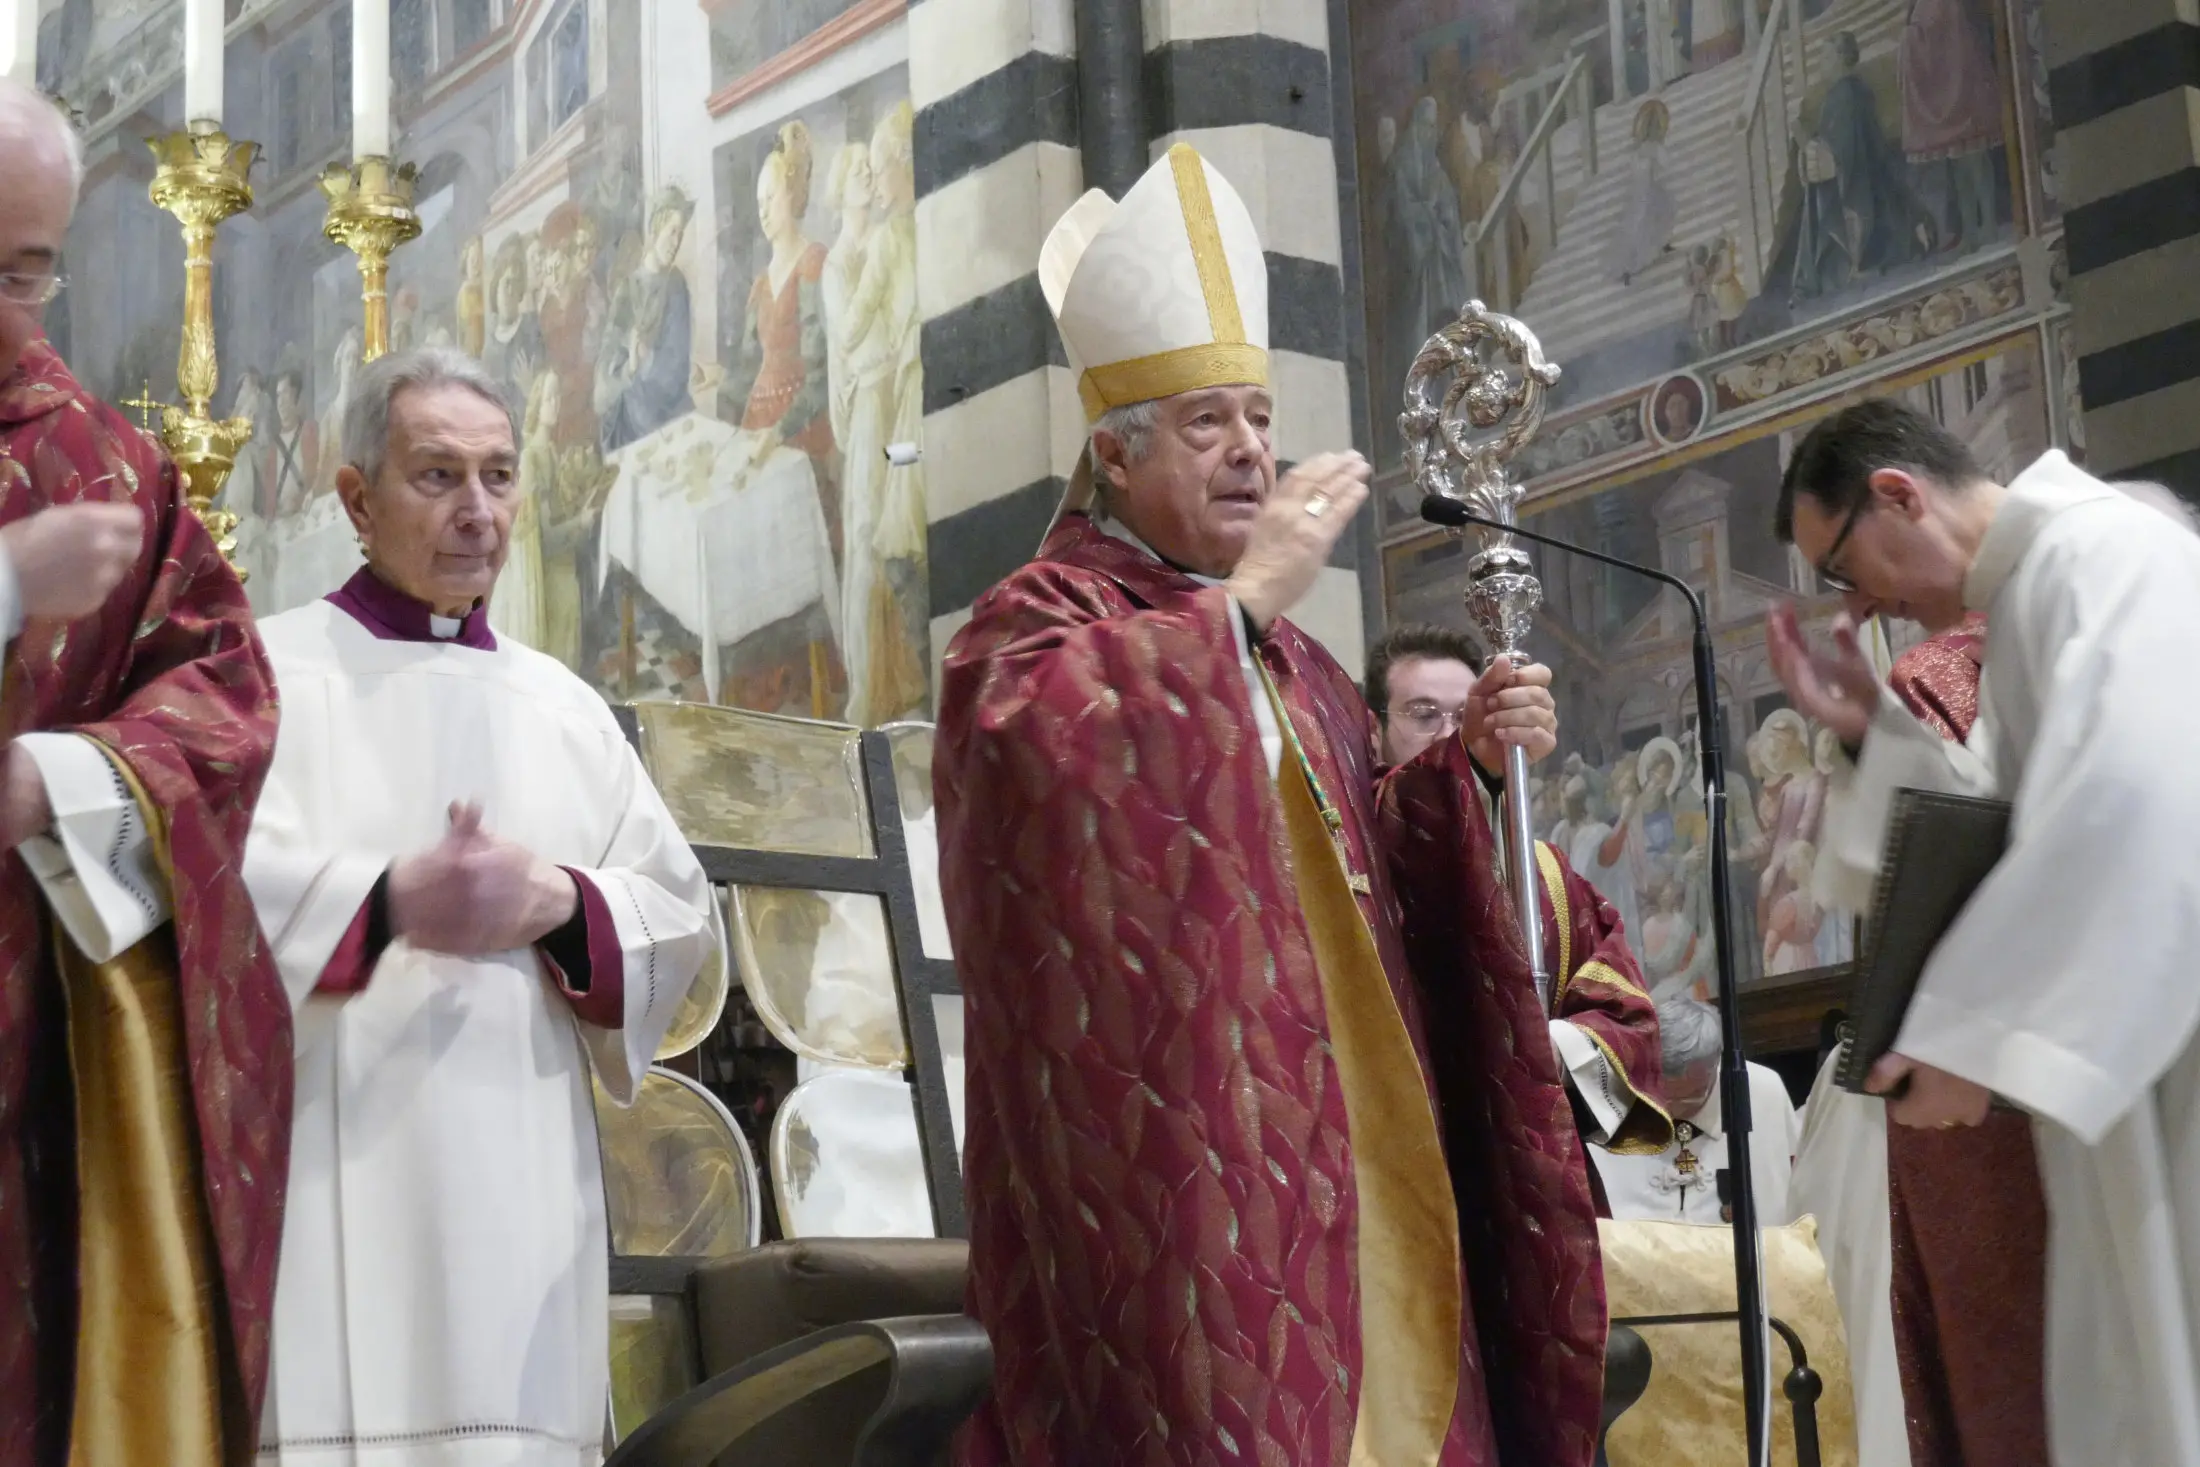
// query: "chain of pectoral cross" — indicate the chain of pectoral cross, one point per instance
point(1332, 818)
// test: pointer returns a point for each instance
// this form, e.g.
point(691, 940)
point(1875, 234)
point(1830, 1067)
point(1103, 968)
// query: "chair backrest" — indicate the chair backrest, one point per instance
point(846, 1161)
point(821, 834)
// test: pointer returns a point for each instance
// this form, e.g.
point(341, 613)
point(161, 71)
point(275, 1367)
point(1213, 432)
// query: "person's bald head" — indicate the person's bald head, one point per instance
point(41, 167)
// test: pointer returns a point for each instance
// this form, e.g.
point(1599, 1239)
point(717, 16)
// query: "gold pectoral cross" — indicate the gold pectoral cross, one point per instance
point(1355, 879)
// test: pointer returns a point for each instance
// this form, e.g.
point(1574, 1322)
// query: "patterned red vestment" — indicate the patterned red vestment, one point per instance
point(170, 677)
point(1600, 990)
point(1969, 1222)
point(1159, 1169)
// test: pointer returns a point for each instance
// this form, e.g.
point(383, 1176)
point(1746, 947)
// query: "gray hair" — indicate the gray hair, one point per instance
point(367, 407)
point(1132, 425)
point(1688, 1033)
point(28, 105)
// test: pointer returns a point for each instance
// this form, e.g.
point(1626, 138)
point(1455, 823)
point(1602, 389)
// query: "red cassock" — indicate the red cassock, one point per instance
point(1969, 1222)
point(1167, 1202)
point(169, 677)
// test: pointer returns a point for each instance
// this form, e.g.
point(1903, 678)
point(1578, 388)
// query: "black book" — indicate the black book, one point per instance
point(1939, 848)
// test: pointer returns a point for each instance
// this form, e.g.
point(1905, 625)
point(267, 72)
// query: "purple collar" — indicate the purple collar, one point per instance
point(396, 617)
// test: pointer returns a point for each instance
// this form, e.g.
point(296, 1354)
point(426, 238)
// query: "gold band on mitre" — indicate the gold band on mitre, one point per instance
point(1167, 373)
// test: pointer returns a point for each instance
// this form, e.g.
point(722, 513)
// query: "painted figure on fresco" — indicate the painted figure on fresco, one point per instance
point(515, 338)
point(1861, 214)
point(472, 304)
point(292, 455)
point(571, 313)
point(330, 434)
point(1715, 32)
point(1646, 229)
point(777, 386)
point(1952, 110)
point(1424, 260)
point(883, 608)
point(1478, 151)
point(650, 353)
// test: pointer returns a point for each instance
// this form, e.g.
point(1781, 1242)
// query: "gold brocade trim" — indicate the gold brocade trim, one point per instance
point(1411, 1296)
point(148, 1368)
point(1554, 882)
point(1166, 373)
point(1596, 970)
point(1631, 1139)
point(1223, 319)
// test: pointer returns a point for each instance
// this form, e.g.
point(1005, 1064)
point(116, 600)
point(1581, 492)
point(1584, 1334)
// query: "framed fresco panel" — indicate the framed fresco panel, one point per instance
point(1619, 797)
point(1658, 186)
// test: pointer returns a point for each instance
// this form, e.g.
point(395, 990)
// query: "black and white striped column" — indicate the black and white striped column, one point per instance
point(1253, 89)
point(2125, 92)
point(994, 84)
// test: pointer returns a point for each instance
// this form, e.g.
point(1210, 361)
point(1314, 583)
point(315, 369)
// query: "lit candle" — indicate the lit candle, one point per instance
point(370, 79)
point(202, 61)
point(21, 41)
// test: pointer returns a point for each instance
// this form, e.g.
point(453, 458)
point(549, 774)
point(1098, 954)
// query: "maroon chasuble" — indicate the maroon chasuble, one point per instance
point(169, 676)
point(1968, 1219)
point(1158, 1165)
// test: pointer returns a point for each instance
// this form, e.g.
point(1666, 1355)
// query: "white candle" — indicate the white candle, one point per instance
point(202, 61)
point(21, 41)
point(370, 79)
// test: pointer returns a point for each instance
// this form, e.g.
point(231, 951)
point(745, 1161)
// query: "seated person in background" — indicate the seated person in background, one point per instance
point(1422, 684)
point(476, 900)
point(1681, 1182)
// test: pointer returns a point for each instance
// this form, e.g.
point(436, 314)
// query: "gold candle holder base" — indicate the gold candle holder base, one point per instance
point(202, 177)
point(370, 213)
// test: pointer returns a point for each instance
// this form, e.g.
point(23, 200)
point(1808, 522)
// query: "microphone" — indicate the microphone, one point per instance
point(1749, 1285)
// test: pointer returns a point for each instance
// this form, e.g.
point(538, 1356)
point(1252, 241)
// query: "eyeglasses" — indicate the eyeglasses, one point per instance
point(1423, 716)
point(31, 290)
point(1825, 569)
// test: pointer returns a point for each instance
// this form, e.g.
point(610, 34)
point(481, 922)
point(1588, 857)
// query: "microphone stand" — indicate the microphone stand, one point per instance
point(1749, 1289)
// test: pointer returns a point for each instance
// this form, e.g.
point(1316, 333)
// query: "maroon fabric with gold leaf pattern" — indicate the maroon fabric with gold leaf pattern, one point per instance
point(170, 676)
point(1968, 1219)
point(1618, 1014)
point(1162, 1209)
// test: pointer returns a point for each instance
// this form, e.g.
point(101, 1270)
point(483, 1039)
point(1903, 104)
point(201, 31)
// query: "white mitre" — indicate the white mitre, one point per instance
point(1163, 293)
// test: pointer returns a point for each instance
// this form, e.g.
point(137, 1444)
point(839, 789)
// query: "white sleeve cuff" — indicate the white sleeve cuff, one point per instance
point(1590, 1076)
point(96, 868)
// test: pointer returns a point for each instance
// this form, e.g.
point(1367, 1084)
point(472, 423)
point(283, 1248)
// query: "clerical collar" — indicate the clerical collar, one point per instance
point(396, 617)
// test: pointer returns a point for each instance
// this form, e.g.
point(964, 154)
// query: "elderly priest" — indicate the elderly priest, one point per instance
point(1245, 1185)
point(476, 900)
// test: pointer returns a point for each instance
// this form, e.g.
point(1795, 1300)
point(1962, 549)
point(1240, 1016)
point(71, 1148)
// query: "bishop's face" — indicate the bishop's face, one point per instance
point(437, 520)
point(1207, 469)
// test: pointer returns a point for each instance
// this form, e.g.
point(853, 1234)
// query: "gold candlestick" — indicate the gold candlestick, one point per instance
point(370, 213)
point(202, 177)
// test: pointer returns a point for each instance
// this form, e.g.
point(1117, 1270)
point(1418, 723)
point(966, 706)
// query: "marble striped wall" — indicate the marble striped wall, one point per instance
point(2125, 92)
point(1249, 83)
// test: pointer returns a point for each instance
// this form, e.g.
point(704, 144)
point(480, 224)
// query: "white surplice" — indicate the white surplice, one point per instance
point(2067, 983)
point(442, 1295)
point(1841, 1180)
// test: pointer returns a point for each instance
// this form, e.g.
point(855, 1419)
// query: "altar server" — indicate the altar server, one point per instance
point(1256, 1172)
point(476, 900)
point(2065, 984)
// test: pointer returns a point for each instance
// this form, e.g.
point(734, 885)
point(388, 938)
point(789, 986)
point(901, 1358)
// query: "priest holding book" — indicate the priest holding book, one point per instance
point(2063, 986)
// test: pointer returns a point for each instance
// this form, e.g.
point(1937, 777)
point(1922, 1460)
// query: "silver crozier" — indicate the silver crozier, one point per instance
point(1474, 397)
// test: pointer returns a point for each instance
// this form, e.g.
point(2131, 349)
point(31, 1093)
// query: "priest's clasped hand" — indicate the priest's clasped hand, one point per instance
point(473, 894)
point(1931, 1098)
point(1507, 707)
